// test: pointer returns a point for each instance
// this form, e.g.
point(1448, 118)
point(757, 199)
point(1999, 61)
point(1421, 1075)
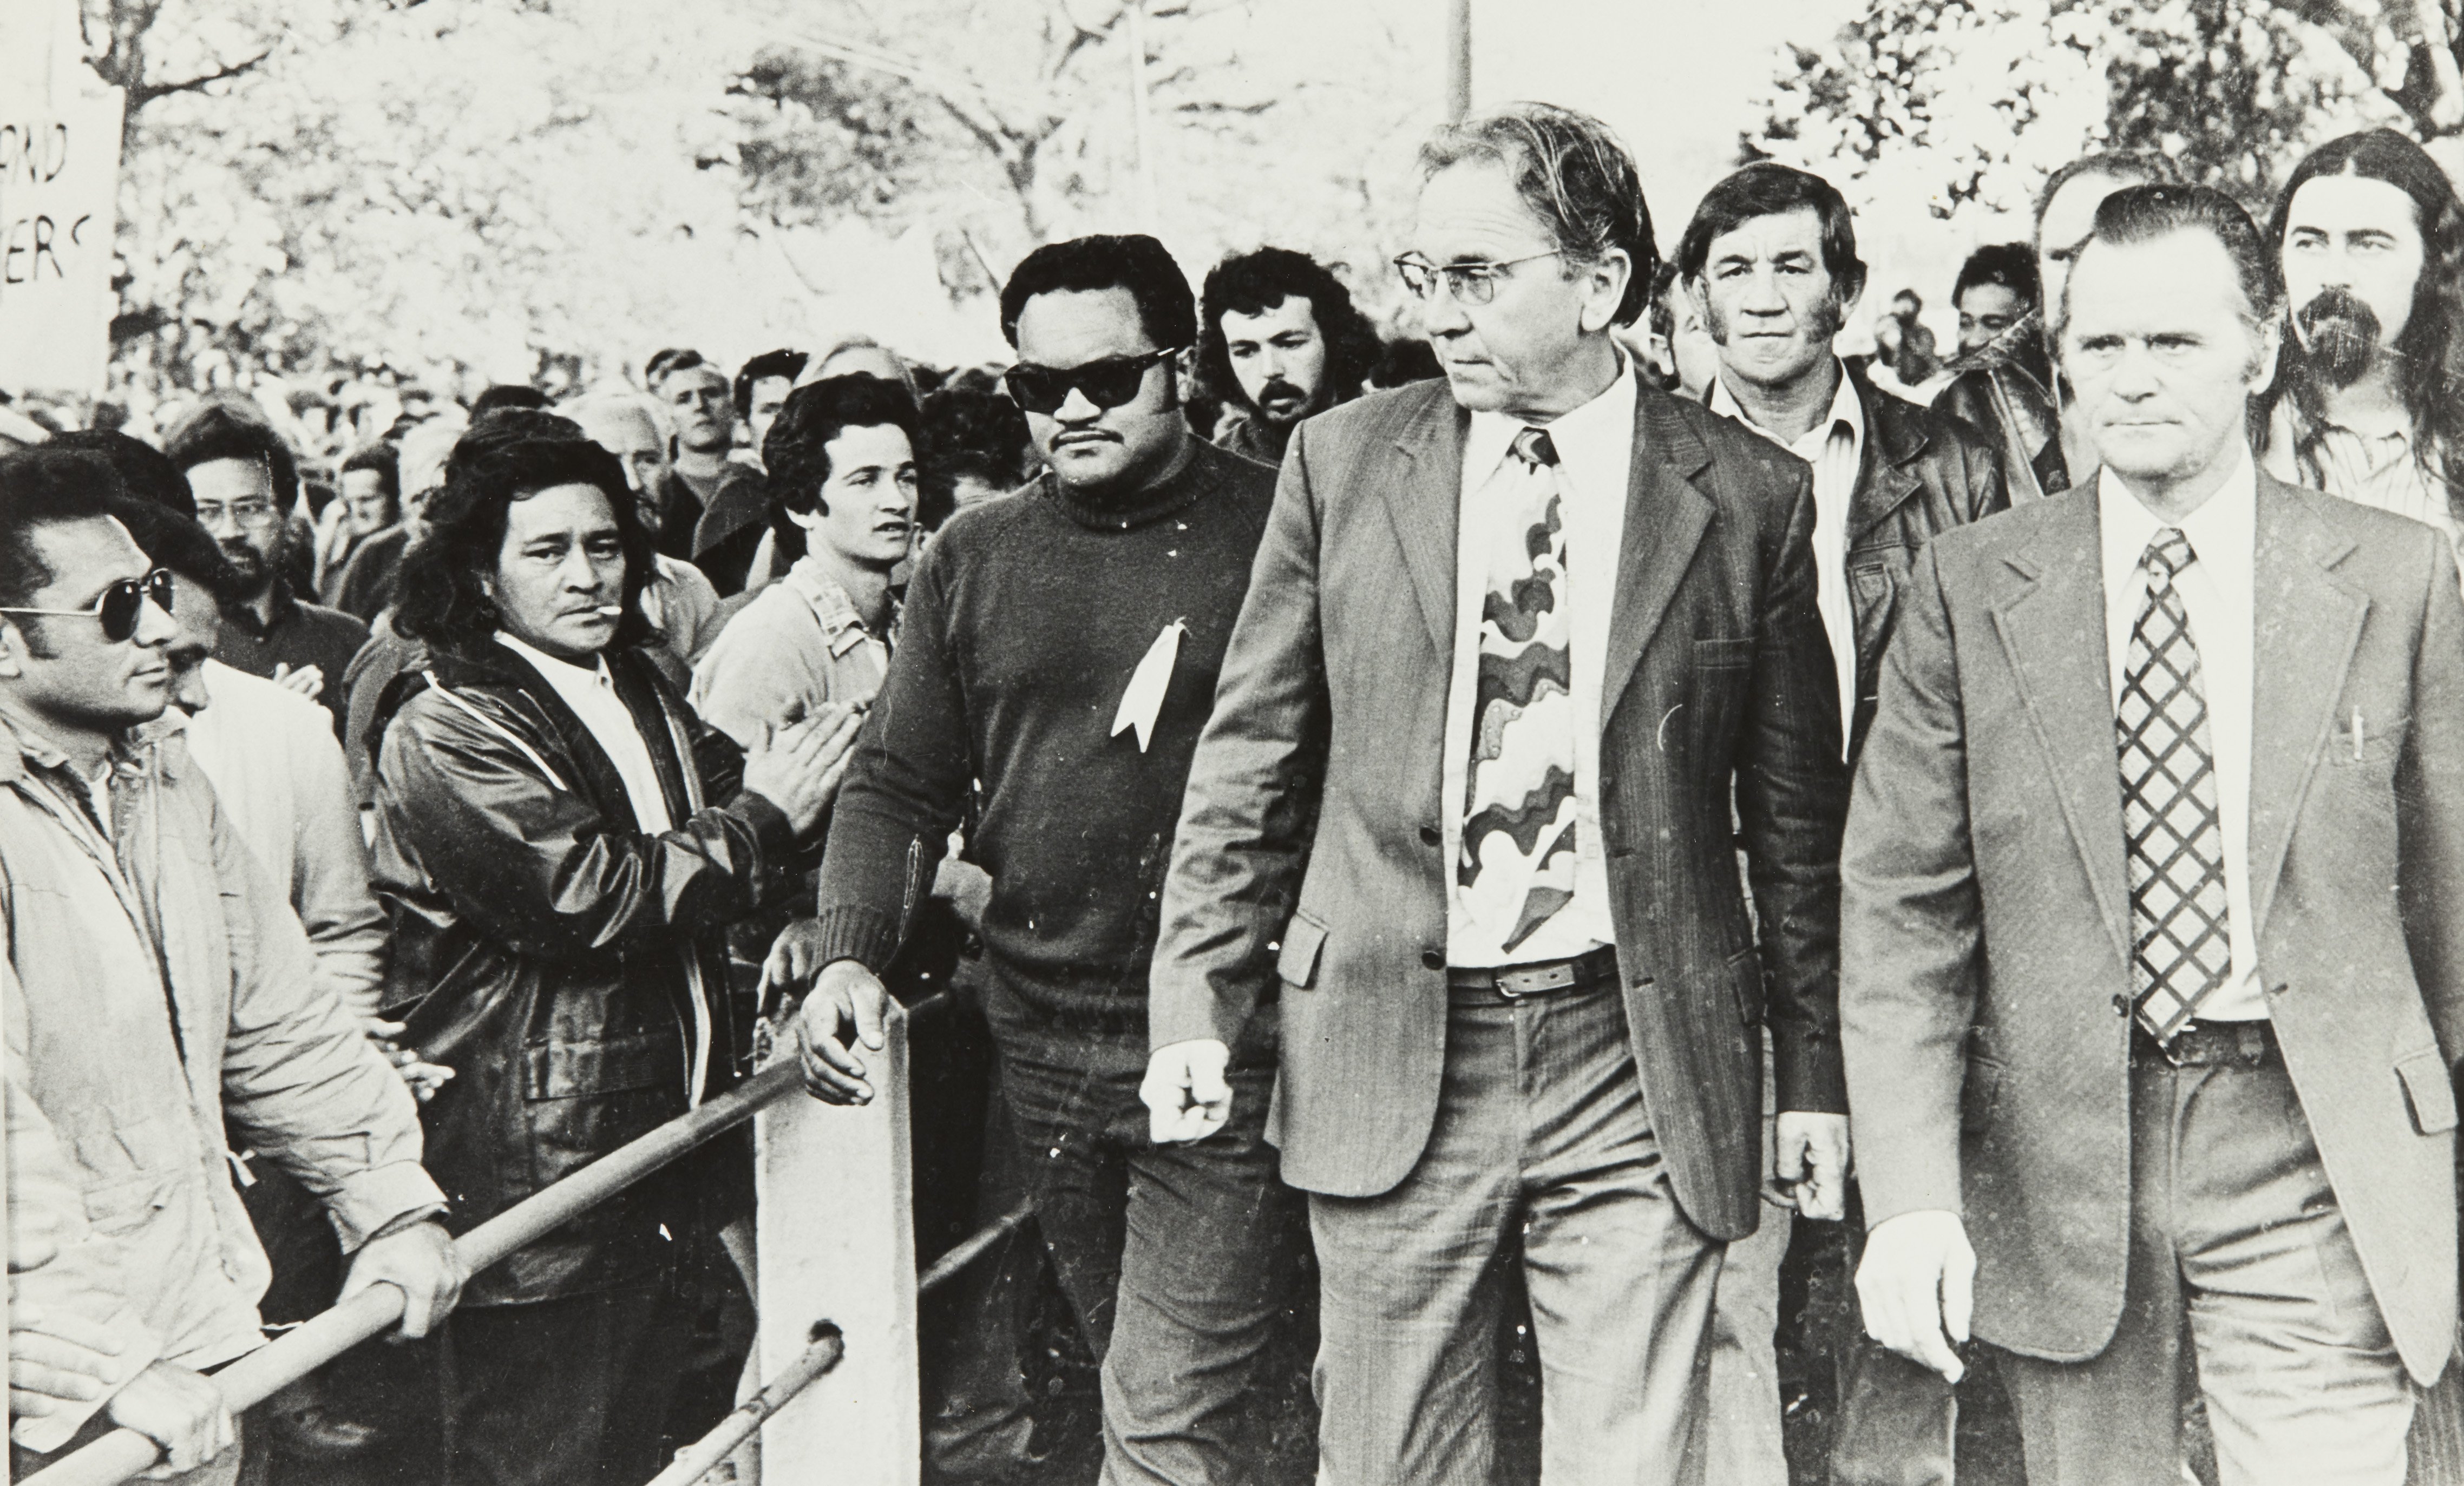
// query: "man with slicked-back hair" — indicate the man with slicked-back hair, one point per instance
point(2152, 962)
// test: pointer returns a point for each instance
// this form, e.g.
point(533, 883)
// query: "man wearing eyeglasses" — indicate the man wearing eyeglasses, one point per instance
point(246, 483)
point(167, 988)
point(1512, 647)
point(1055, 662)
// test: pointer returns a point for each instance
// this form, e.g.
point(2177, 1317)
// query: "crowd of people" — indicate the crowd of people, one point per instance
point(1522, 822)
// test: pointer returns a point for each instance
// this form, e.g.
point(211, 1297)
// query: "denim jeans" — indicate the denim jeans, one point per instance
point(1175, 1258)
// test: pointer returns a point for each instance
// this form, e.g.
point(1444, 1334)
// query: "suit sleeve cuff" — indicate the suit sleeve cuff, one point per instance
point(866, 935)
point(368, 1202)
point(1808, 1074)
point(1924, 1186)
point(1194, 1018)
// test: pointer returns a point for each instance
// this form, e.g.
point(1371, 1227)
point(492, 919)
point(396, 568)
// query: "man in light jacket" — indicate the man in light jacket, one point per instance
point(166, 987)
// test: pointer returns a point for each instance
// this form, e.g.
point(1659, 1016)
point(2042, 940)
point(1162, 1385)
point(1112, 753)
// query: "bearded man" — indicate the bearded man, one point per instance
point(1278, 341)
point(2367, 405)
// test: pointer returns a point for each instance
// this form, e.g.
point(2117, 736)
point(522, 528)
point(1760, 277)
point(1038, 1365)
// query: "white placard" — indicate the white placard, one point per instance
point(59, 171)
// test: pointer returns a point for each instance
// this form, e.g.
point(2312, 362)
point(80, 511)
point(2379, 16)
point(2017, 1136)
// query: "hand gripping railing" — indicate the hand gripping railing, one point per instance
point(815, 1160)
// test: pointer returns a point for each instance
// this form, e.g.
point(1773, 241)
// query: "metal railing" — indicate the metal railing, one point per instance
point(121, 1453)
point(712, 1449)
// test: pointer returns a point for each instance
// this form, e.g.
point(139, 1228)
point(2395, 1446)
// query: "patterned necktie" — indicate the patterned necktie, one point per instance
point(2179, 924)
point(1517, 866)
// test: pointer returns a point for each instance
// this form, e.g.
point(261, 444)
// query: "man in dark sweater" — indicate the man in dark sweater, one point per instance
point(1055, 665)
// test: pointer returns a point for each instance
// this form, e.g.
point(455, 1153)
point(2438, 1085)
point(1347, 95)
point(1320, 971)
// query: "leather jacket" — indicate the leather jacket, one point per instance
point(1924, 471)
point(551, 953)
point(2016, 409)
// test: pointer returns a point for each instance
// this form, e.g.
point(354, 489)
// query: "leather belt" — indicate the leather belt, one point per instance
point(1513, 982)
point(2208, 1045)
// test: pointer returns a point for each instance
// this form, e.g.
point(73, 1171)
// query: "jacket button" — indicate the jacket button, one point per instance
point(1433, 959)
point(2122, 1006)
point(1429, 836)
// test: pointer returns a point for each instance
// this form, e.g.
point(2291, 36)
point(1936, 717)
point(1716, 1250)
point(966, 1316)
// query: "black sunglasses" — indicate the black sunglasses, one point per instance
point(119, 606)
point(1109, 382)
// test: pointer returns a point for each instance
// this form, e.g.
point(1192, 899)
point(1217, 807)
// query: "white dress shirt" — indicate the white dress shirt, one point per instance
point(2217, 592)
point(1835, 448)
point(592, 696)
point(1594, 446)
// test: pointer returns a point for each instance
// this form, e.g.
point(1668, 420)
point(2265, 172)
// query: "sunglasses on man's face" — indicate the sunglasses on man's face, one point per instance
point(1109, 382)
point(118, 605)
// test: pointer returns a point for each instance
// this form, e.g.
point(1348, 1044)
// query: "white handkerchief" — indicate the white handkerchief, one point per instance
point(1144, 698)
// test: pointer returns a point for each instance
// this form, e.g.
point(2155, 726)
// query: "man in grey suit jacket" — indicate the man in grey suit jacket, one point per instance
point(2153, 957)
point(1464, 806)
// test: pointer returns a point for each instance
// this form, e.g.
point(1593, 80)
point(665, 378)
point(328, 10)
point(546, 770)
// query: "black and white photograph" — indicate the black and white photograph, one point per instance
point(1232, 742)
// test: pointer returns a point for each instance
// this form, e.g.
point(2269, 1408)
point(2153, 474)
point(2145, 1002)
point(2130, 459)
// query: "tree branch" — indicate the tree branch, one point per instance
point(1213, 110)
point(147, 93)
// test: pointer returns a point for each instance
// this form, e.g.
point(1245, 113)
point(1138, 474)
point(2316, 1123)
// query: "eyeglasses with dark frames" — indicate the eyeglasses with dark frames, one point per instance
point(117, 605)
point(1473, 282)
point(1107, 382)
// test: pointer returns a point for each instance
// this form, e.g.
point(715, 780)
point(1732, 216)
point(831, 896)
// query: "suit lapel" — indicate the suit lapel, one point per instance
point(1666, 517)
point(2054, 632)
point(1423, 498)
point(2308, 627)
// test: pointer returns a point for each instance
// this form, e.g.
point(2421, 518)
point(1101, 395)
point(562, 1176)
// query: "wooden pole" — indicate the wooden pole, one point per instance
point(1143, 128)
point(711, 1451)
point(834, 1229)
point(279, 1363)
point(1457, 60)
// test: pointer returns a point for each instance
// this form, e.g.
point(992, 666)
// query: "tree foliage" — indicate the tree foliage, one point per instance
point(1016, 125)
point(1953, 101)
point(320, 196)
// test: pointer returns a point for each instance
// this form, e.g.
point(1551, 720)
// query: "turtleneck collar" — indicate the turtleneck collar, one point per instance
point(1188, 478)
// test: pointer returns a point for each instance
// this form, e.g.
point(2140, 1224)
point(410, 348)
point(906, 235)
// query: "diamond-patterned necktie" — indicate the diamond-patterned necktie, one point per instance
point(1517, 865)
point(2180, 927)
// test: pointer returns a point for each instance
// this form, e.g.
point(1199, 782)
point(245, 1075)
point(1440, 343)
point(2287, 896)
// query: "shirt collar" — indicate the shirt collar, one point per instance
point(829, 603)
point(1845, 408)
point(1602, 425)
point(25, 749)
point(285, 606)
point(2223, 531)
point(564, 675)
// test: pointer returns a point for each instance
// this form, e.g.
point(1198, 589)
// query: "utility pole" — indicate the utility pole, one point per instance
point(1457, 60)
point(1144, 129)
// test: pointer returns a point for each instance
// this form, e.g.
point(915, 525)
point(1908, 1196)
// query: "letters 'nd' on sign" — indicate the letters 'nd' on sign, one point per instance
point(60, 169)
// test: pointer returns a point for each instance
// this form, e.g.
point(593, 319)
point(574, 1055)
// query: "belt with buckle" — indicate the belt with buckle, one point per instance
point(1513, 982)
point(2208, 1044)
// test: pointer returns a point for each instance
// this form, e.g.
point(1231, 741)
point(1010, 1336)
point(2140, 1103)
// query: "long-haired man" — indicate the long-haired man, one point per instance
point(2370, 404)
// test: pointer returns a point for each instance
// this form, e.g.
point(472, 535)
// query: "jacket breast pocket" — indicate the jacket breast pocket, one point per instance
point(124, 1208)
point(571, 1070)
point(582, 1100)
point(2371, 761)
point(1978, 1093)
point(1296, 962)
point(2428, 1090)
point(1875, 576)
point(1723, 654)
point(1746, 980)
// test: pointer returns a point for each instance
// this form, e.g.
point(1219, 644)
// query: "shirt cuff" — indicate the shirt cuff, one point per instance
point(365, 1204)
point(866, 935)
